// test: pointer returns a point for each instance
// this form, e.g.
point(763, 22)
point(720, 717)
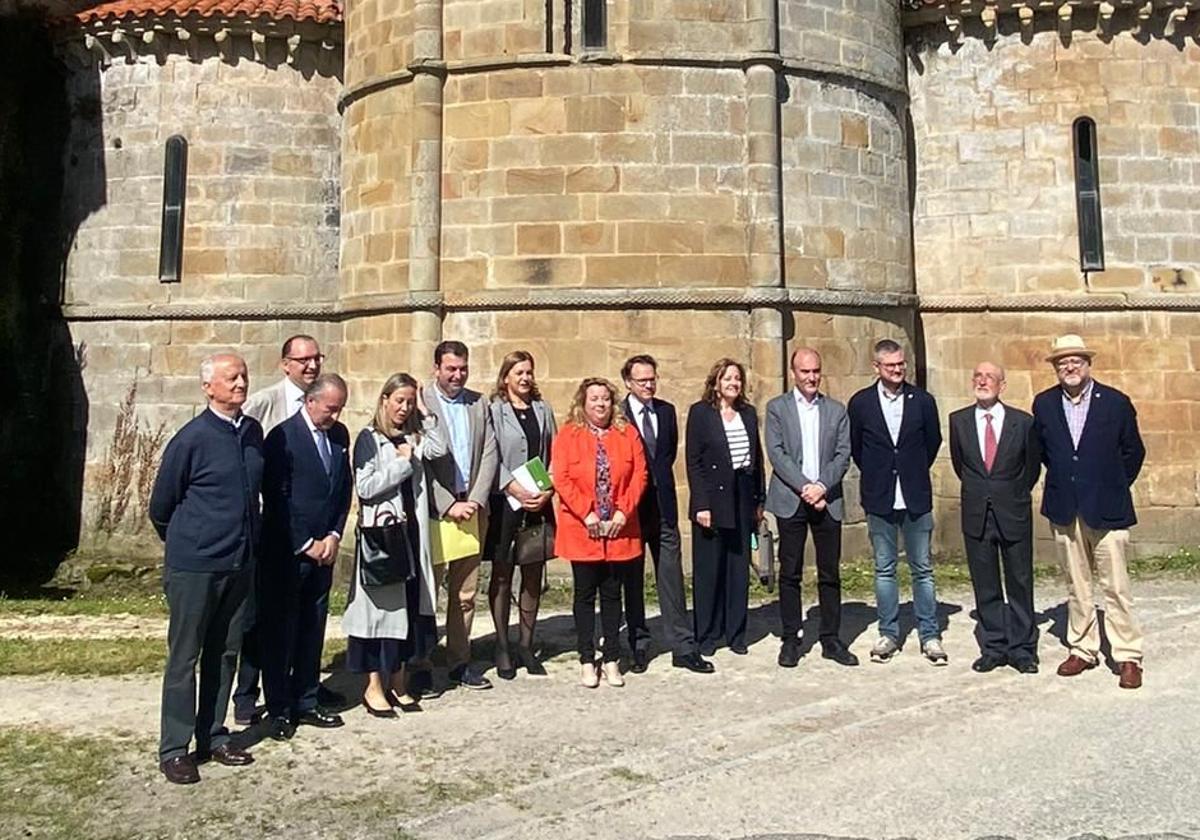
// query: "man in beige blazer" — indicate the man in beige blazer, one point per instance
point(300, 361)
point(460, 483)
point(301, 364)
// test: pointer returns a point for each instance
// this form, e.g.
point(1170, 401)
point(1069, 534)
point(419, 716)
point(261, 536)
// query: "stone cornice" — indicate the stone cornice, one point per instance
point(836, 74)
point(983, 18)
point(498, 300)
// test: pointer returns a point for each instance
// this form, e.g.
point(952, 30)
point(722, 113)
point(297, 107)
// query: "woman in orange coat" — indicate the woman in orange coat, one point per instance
point(599, 473)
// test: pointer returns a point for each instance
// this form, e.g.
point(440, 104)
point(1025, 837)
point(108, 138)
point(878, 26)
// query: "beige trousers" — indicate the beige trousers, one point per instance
point(462, 581)
point(1086, 552)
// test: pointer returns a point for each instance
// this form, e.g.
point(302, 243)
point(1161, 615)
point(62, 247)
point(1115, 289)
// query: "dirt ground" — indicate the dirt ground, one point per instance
point(896, 750)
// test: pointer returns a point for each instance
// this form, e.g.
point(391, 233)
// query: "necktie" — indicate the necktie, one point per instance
point(323, 450)
point(989, 443)
point(648, 434)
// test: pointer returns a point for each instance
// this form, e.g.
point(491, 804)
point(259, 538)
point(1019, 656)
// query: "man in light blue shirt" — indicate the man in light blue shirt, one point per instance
point(460, 483)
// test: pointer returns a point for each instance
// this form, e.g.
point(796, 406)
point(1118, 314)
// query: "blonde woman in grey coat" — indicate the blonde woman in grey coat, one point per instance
point(390, 626)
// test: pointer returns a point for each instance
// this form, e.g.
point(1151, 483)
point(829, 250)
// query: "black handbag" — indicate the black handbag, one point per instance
point(384, 554)
point(534, 543)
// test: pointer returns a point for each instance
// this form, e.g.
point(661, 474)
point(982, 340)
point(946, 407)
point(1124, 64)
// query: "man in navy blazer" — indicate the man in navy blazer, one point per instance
point(306, 498)
point(658, 514)
point(894, 439)
point(1093, 452)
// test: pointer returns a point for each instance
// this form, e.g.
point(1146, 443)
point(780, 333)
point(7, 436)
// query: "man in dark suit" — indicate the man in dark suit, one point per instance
point(306, 498)
point(808, 445)
point(658, 514)
point(894, 439)
point(1093, 452)
point(205, 507)
point(996, 456)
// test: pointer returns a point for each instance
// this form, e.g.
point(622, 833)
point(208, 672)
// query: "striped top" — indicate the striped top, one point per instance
point(1077, 412)
point(739, 442)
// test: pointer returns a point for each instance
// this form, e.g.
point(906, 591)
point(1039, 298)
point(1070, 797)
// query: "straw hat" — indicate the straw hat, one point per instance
point(1069, 345)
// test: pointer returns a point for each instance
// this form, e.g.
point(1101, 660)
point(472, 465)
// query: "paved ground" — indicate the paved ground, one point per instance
point(897, 750)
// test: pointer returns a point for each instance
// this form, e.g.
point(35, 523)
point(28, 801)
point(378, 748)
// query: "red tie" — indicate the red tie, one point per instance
point(989, 443)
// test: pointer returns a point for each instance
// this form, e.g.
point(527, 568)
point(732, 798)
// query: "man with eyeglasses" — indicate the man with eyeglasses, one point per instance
point(658, 514)
point(300, 361)
point(995, 452)
point(1093, 453)
point(894, 439)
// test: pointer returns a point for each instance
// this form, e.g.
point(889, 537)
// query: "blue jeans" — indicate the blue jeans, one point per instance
point(917, 531)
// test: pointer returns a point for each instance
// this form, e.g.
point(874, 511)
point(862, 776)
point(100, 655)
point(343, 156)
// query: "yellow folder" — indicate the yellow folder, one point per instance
point(450, 540)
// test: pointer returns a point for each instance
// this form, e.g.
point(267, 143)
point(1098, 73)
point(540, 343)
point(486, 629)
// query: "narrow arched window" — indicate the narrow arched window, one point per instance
point(595, 24)
point(170, 247)
point(1087, 195)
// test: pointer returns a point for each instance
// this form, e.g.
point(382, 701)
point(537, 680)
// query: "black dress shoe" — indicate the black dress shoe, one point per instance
point(281, 728)
point(694, 662)
point(839, 653)
point(389, 712)
point(319, 719)
point(1024, 664)
point(225, 754)
point(180, 770)
point(789, 653)
point(989, 662)
point(740, 648)
point(529, 662)
point(420, 684)
point(641, 661)
point(468, 677)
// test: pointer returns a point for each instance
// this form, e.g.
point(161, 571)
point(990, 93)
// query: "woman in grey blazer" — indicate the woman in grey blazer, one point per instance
point(525, 428)
point(392, 625)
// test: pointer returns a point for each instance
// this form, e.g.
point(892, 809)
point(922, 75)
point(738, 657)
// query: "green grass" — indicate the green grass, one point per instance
point(53, 783)
point(91, 657)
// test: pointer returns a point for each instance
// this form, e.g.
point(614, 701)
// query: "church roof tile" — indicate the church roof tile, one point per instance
point(319, 11)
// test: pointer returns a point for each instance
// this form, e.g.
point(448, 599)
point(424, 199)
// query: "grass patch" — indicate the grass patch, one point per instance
point(52, 783)
point(90, 657)
point(631, 776)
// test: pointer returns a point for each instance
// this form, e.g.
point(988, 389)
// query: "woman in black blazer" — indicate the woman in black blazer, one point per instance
point(727, 489)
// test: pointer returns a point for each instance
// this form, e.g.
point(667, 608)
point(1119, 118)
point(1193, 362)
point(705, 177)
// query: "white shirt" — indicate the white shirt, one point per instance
point(236, 422)
point(810, 434)
point(997, 412)
point(295, 397)
point(636, 406)
point(893, 415)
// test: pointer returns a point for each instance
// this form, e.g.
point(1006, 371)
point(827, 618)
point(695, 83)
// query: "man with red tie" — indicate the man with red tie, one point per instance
point(996, 455)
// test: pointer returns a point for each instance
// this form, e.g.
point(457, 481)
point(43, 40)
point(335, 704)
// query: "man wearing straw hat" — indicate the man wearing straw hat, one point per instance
point(1093, 453)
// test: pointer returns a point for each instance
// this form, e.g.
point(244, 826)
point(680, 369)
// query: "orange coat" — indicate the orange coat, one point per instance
point(574, 459)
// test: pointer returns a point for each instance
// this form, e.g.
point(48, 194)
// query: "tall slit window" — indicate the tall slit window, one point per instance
point(595, 24)
point(170, 247)
point(1087, 195)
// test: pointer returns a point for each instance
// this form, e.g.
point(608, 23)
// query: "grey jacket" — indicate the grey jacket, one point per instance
point(270, 406)
point(785, 452)
point(484, 458)
point(511, 444)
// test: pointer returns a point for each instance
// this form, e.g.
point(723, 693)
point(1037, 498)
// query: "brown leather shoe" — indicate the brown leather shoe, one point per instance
point(180, 770)
point(1131, 675)
point(1074, 665)
point(225, 754)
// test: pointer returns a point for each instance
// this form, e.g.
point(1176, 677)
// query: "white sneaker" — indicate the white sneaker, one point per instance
point(612, 674)
point(884, 649)
point(934, 652)
point(588, 678)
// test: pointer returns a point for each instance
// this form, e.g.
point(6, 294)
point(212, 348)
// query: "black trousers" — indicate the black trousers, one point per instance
point(249, 671)
point(721, 573)
point(663, 542)
point(604, 578)
point(205, 626)
point(293, 608)
point(1004, 628)
point(827, 542)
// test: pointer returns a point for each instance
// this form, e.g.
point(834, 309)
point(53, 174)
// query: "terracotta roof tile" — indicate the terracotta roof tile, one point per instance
point(320, 11)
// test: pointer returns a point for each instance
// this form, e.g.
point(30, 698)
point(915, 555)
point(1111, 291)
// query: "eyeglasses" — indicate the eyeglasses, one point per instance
point(305, 361)
point(1071, 363)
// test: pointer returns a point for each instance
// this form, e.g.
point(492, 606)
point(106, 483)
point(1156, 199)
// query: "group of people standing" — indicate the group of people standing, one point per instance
point(253, 525)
